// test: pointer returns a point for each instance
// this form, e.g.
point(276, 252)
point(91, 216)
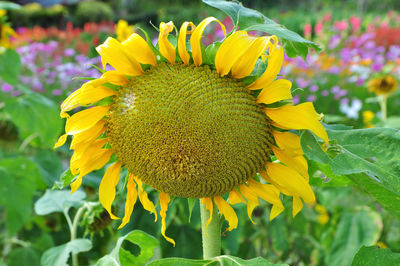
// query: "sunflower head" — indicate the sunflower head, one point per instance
point(383, 85)
point(225, 131)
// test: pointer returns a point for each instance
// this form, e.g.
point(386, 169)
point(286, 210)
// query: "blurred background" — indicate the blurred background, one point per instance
point(353, 81)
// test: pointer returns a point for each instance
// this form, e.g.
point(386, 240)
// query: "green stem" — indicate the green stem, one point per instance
point(212, 235)
point(73, 231)
point(383, 103)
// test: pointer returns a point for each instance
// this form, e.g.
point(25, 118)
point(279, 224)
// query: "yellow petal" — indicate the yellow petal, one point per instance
point(252, 200)
point(289, 142)
point(96, 162)
point(112, 52)
point(245, 64)
point(277, 91)
point(292, 181)
point(302, 116)
point(231, 50)
point(297, 205)
point(131, 197)
point(88, 135)
point(297, 163)
point(144, 199)
point(209, 206)
point(275, 60)
point(136, 46)
point(275, 211)
point(85, 119)
point(164, 200)
point(71, 102)
point(166, 48)
point(84, 152)
point(183, 53)
point(107, 187)
point(115, 77)
point(76, 184)
point(267, 192)
point(92, 94)
point(227, 211)
point(235, 197)
point(61, 141)
point(195, 39)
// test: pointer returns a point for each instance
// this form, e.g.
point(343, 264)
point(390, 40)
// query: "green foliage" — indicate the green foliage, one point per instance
point(65, 179)
point(93, 11)
point(19, 179)
point(149, 248)
point(375, 256)
point(9, 72)
point(220, 260)
point(359, 154)
point(24, 256)
point(9, 5)
point(251, 20)
point(36, 117)
point(354, 230)
point(58, 201)
point(59, 255)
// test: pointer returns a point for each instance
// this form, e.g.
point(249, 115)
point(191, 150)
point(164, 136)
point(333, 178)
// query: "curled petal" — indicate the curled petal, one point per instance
point(195, 39)
point(235, 197)
point(166, 48)
point(297, 163)
point(289, 142)
point(88, 135)
point(131, 197)
point(144, 198)
point(209, 206)
point(228, 212)
point(252, 199)
point(297, 205)
point(164, 200)
point(61, 141)
point(275, 60)
point(183, 53)
point(107, 187)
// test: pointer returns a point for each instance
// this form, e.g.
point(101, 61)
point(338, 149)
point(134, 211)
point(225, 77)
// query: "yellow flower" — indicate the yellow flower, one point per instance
point(192, 130)
point(2, 12)
point(323, 216)
point(123, 30)
point(5, 33)
point(383, 86)
point(367, 118)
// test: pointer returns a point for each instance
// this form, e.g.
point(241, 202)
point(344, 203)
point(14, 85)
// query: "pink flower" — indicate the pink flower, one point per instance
point(318, 28)
point(307, 30)
point(355, 23)
point(340, 25)
point(328, 17)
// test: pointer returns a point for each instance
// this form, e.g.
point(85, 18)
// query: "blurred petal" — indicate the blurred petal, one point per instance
point(183, 53)
point(61, 141)
point(297, 205)
point(195, 39)
point(107, 187)
point(131, 197)
point(164, 200)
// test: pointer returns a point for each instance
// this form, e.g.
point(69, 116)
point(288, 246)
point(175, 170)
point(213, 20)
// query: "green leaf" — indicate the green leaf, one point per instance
point(9, 5)
point(59, 255)
point(221, 260)
point(375, 256)
point(252, 20)
point(36, 117)
point(58, 201)
point(49, 165)
point(65, 179)
point(355, 229)
point(191, 202)
point(149, 247)
point(10, 65)
point(369, 157)
point(23, 256)
point(19, 178)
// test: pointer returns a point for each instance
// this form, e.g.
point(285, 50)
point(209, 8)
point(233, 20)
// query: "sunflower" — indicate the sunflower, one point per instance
point(189, 124)
point(383, 85)
point(5, 31)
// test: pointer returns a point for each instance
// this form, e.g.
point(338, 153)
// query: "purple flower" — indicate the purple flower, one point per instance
point(69, 52)
point(377, 67)
point(335, 89)
point(344, 101)
point(7, 87)
point(311, 98)
point(296, 99)
point(334, 42)
point(302, 83)
point(57, 92)
point(314, 88)
point(360, 81)
point(325, 93)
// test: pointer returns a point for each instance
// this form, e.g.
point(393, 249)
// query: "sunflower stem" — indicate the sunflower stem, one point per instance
point(212, 235)
point(383, 103)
